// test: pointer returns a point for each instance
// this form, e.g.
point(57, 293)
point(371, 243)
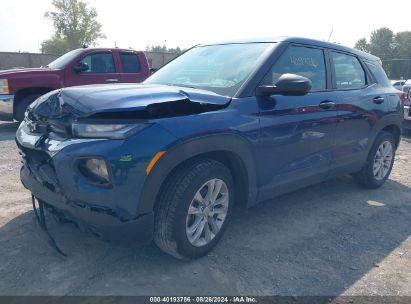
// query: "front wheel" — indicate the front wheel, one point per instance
point(194, 209)
point(23, 104)
point(379, 162)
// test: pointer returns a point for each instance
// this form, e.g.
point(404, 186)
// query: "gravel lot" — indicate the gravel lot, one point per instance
point(330, 239)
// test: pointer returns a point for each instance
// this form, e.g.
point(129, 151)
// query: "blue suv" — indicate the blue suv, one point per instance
point(224, 124)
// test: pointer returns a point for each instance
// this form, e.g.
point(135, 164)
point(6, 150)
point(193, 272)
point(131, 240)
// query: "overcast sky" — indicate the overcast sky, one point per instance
point(185, 23)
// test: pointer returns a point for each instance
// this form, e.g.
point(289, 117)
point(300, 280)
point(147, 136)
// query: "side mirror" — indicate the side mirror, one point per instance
point(288, 85)
point(153, 70)
point(81, 67)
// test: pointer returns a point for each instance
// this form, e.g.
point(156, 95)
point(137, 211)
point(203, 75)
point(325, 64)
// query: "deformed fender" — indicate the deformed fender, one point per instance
point(180, 152)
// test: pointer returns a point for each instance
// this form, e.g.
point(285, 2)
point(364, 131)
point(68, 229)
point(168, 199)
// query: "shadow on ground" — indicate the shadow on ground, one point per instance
point(8, 130)
point(316, 241)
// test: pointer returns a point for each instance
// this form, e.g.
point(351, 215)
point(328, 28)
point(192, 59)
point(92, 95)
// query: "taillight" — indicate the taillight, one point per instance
point(403, 96)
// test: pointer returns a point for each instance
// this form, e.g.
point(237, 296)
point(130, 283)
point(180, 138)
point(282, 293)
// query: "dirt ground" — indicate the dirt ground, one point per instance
point(330, 239)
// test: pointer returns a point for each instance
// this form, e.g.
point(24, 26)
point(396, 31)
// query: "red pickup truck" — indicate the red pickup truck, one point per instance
point(20, 87)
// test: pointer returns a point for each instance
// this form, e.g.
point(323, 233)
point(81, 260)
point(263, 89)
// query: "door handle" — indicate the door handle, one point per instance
point(378, 100)
point(112, 80)
point(326, 104)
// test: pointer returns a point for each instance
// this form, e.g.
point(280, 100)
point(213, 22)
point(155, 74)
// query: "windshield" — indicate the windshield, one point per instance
point(221, 69)
point(61, 62)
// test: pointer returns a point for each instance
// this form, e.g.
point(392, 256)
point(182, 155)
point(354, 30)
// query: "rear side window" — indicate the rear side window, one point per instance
point(130, 63)
point(349, 74)
point(304, 61)
point(99, 63)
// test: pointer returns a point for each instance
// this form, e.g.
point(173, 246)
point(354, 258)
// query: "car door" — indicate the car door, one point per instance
point(297, 132)
point(131, 68)
point(101, 69)
point(360, 102)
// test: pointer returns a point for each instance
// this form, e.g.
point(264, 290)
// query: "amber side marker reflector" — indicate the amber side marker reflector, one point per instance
point(153, 161)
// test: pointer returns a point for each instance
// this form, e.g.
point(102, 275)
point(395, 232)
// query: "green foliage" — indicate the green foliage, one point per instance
point(75, 25)
point(402, 52)
point(55, 45)
point(393, 49)
point(362, 45)
point(159, 48)
point(381, 42)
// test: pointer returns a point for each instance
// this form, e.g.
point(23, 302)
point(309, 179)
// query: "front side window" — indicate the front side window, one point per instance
point(99, 63)
point(63, 60)
point(303, 61)
point(349, 74)
point(219, 68)
point(130, 63)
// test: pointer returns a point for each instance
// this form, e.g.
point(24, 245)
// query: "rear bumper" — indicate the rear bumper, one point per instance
point(6, 107)
point(100, 221)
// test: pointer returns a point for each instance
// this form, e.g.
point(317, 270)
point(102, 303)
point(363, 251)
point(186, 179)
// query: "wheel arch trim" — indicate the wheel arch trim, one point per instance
point(392, 120)
point(181, 151)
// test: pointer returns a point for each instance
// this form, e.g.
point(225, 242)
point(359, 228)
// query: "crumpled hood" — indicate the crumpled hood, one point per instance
point(92, 99)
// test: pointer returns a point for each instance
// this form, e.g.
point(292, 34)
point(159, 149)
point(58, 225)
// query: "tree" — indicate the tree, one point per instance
point(55, 45)
point(75, 25)
point(402, 55)
point(381, 45)
point(159, 48)
point(362, 45)
point(393, 49)
point(381, 42)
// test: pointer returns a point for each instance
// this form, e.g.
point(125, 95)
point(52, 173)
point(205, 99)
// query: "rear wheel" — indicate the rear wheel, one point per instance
point(379, 162)
point(193, 209)
point(23, 104)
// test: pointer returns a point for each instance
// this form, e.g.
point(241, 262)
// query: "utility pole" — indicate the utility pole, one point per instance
point(329, 37)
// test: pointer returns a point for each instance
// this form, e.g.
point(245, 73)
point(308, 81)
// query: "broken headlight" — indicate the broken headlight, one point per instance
point(100, 130)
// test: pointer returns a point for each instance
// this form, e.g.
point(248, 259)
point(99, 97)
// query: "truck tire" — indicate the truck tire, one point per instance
point(22, 105)
point(379, 162)
point(193, 209)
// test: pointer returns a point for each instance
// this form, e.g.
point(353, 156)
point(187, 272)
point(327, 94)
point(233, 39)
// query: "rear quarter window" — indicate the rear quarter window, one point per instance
point(378, 72)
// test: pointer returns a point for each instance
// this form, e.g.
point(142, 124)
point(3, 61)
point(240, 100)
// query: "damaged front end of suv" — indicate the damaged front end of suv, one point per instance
point(110, 157)
point(88, 150)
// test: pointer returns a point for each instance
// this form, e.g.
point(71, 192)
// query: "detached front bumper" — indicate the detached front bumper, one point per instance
point(49, 172)
point(98, 221)
point(6, 107)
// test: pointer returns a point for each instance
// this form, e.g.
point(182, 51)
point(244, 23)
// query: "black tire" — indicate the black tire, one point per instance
point(177, 195)
point(365, 177)
point(23, 104)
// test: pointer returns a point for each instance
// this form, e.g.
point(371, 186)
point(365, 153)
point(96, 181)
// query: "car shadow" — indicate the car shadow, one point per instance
point(316, 241)
point(8, 130)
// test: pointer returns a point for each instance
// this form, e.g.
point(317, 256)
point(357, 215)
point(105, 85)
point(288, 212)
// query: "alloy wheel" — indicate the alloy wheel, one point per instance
point(382, 160)
point(207, 212)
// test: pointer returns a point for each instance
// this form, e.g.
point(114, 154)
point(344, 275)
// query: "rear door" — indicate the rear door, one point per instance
point(297, 132)
point(361, 101)
point(132, 67)
point(102, 69)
